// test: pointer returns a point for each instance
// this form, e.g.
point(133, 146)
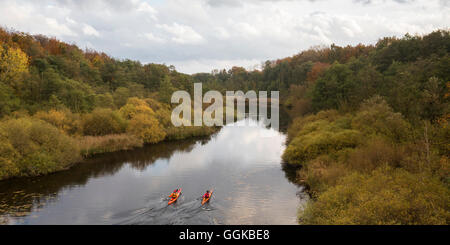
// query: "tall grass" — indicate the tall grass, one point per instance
point(91, 145)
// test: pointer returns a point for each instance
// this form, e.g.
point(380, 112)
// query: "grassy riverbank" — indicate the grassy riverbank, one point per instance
point(55, 140)
point(370, 167)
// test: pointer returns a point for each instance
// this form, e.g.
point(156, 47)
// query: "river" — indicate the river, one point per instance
point(240, 162)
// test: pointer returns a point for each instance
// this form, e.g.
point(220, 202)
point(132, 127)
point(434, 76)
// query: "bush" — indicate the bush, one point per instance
point(375, 117)
point(64, 120)
point(102, 122)
point(376, 153)
point(8, 154)
point(135, 106)
point(299, 122)
point(318, 138)
point(33, 147)
point(322, 173)
point(91, 145)
point(147, 128)
point(386, 196)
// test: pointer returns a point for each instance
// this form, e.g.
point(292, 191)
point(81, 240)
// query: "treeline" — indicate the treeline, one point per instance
point(371, 132)
point(59, 103)
point(38, 73)
point(411, 73)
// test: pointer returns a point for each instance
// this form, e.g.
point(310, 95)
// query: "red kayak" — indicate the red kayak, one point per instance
point(205, 200)
point(174, 198)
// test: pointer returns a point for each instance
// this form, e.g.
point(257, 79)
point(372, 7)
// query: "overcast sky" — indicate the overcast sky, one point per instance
point(201, 35)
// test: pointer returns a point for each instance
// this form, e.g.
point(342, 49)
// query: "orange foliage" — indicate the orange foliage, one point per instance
point(316, 71)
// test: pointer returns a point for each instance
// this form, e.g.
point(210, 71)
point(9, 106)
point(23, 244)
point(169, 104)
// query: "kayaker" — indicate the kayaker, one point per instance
point(207, 194)
point(174, 193)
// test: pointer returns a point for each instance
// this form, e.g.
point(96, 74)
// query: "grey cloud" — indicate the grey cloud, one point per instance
point(238, 3)
point(116, 5)
point(373, 1)
point(200, 35)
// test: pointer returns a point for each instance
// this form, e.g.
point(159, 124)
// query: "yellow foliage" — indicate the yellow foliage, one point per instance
point(13, 63)
point(135, 106)
point(147, 128)
point(56, 118)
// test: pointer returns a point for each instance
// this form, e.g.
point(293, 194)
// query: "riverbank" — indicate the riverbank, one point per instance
point(52, 141)
point(369, 167)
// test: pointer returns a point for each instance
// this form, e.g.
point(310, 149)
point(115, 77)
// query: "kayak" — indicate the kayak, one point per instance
point(205, 200)
point(174, 199)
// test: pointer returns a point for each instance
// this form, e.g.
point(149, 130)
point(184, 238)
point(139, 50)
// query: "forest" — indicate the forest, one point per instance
point(60, 104)
point(369, 123)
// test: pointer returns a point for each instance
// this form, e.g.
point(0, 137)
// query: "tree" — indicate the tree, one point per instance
point(13, 63)
point(8, 101)
point(334, 88)
point(166, 90)
point(121, 96)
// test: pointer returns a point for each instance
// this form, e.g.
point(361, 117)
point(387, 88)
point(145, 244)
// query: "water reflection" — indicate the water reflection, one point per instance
point(242, 164)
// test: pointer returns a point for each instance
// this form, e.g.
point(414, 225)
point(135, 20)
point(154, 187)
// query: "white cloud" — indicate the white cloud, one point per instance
point(221, 33)
point(207, 65)
point(58, 28)
point(153, 38)
point(90, 31)
point(182, 34)
point(146, 8)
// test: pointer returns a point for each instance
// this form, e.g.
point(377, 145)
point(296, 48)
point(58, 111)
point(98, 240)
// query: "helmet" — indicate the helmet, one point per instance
point(175, 190)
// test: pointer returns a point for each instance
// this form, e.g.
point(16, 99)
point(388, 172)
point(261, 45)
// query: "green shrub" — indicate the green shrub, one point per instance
point(103, 122)
point(299, 122)
point(315, 142)
point(8, 154)
point(104, 100)
point(33, 147)
point(375, 117)
point(386, 196)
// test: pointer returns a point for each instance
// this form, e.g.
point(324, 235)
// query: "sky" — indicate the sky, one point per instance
point(202, 35)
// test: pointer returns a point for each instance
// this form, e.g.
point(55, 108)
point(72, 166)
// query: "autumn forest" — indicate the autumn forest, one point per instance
point(367, 125)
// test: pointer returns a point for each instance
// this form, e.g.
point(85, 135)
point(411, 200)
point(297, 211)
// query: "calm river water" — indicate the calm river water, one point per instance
point(241, 163)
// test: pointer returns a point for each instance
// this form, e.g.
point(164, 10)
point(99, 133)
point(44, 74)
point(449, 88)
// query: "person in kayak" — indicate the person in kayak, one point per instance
point(207, 194)
point(174, 193)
